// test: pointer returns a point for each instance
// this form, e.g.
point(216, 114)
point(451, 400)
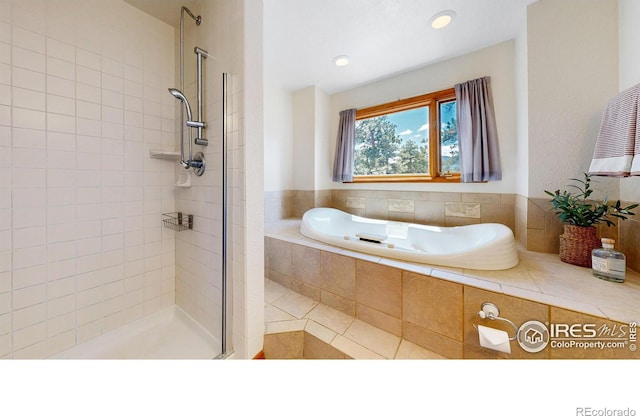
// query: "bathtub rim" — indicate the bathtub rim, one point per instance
point(508, 257)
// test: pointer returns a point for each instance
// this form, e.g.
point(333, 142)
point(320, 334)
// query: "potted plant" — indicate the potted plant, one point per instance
point(580, 215)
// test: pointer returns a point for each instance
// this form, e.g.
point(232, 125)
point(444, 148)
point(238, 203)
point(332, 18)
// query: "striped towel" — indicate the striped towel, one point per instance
point(635, 165)
point(618, 139)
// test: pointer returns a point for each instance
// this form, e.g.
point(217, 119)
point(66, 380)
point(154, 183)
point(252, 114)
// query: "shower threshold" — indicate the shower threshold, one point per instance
point(167, 334)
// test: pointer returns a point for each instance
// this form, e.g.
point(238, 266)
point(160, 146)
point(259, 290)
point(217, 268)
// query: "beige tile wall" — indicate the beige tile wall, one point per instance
point(433, 313)
point(516, 309)
point(629, 241)
point(293, 203)
point(543, 228)
point(434, 208)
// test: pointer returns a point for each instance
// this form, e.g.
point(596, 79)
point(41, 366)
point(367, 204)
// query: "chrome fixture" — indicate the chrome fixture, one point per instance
point(180, 96)
point(196, 162)
point(176, 221)
point(490, 311)
point(201, 53)
point(198, 19)
point(225, 195)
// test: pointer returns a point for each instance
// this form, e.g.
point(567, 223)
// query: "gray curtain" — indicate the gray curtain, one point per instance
point(345, 143)
point(477, 132)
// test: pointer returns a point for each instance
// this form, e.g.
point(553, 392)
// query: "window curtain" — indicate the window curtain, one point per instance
point(477, 132)
point(345, 144)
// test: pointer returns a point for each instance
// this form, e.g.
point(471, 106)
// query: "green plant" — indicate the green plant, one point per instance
point(578, 209)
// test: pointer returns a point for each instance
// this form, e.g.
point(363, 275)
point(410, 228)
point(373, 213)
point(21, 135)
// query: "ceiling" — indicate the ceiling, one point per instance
point(166, 10)
point(381, 37)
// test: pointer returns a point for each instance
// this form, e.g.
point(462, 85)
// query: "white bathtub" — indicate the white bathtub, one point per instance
point(167, 334)
point(478, 246)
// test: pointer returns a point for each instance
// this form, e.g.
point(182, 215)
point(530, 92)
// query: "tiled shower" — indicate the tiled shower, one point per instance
point(83, 99)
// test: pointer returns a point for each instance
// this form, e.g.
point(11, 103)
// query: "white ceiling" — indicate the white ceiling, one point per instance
point(166, 10)
point(382, 37)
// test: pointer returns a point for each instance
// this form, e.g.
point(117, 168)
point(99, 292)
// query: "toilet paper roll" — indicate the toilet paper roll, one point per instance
point(494, 339)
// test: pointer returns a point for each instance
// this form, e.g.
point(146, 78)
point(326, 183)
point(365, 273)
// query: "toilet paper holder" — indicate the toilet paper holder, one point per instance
point(491, 311)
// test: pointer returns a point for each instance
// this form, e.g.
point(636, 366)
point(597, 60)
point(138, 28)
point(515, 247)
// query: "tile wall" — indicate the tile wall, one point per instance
point(434, 208)
point(293, 204)
point(629, 240)
point(428, 310)
point(199, 252)
point(82, 100)
point(543, 227)
point(228, 32)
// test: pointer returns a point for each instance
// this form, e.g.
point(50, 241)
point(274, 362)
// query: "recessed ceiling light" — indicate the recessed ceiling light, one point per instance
point(442, 19)
point(342, 60)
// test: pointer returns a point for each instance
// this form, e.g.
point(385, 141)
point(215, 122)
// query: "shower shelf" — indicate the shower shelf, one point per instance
point(163, 154)
point(177, 221)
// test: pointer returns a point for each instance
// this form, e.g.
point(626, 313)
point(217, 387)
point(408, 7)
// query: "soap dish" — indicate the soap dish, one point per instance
point(184, 179)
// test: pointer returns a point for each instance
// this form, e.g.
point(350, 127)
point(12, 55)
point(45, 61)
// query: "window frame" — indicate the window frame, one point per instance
point(432, 101)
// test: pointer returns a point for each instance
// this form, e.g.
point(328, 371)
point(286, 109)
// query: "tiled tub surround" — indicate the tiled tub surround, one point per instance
point(432, 208)
point(435, 308)
point(532, 220)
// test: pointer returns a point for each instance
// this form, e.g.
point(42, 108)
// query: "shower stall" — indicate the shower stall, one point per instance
point(116, 188)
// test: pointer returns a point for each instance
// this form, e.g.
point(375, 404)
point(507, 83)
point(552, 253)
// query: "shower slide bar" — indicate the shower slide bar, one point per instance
point(201, 53)
point(196, 162)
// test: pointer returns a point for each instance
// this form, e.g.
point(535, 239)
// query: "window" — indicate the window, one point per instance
point(410, 140)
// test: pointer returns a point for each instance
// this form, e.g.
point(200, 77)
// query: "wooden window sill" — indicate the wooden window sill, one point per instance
point(407, 179)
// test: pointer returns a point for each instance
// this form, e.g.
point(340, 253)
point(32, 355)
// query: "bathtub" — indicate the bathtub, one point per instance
point(479, 246)
point(167, 334)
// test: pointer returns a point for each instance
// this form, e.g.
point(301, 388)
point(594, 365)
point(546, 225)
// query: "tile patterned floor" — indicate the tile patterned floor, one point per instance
point(288, 310)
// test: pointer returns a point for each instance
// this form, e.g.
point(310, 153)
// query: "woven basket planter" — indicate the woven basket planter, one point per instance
point(577, 243)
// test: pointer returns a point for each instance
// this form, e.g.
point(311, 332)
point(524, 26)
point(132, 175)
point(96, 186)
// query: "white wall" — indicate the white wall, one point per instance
point(496, 61)
point(629, 35)
point(572, 73)
point(522, 103)
point(322, 151)
point(278, 138)
point(249, 305)
point(83, 97)
point(304, 137)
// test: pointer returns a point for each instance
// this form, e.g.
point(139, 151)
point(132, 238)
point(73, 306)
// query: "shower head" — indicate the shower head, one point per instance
point(180, 96)
point(198, 19)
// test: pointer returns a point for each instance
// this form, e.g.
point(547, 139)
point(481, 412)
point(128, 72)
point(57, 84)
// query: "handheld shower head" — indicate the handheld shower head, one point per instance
point(180, 96)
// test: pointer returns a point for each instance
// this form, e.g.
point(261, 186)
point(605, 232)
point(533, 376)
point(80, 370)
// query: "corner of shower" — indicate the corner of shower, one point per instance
point(222, 309)
point(130, 281)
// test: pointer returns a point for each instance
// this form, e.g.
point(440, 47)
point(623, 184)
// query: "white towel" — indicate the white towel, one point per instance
point(618, 140)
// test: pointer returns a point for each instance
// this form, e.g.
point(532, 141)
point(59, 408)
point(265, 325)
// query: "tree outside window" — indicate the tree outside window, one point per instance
point(401, 141)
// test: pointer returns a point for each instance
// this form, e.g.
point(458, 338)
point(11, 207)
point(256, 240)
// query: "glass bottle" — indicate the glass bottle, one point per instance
point(607, 263)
